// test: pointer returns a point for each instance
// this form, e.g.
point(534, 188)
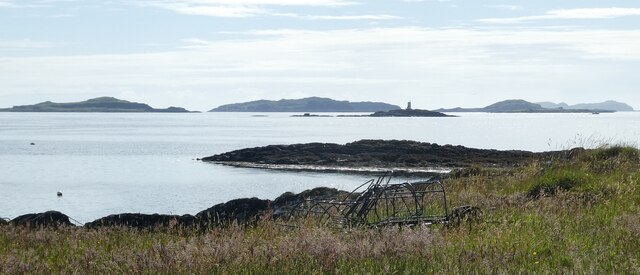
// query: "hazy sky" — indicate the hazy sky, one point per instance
point(200, 54)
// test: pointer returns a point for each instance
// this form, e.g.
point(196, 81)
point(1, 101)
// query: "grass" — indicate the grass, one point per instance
point(568, 215)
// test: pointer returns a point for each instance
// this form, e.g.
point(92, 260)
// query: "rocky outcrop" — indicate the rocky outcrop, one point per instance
point(375, 153)
point(290, 198)
point(285, 202)
point(242, 211)
point(137, 220)
point(247, 211)
point(46, 219)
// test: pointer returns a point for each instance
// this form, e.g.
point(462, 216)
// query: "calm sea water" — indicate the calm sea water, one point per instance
point(115, 163)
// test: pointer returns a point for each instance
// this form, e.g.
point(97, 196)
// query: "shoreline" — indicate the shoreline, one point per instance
point(402, 158)
point(243, 211)
point(412, 171)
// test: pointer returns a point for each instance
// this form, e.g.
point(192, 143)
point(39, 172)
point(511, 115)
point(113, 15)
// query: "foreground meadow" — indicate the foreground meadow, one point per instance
point(578, 213)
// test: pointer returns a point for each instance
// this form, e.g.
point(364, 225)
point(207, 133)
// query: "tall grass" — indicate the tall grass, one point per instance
point(569, 215)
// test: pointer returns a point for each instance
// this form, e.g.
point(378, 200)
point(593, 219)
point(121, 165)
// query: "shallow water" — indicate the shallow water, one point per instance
point(114, 163)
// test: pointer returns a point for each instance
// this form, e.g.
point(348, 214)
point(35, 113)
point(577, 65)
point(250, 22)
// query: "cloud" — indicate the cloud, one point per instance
point(425, 1)
point(382, 63)
point(24, 44)
point(14, 4)
point(587, 13)
point(506, 7)
point(6, 4)
point(220, 11)
point(252, 8)
point(341, 17)
point(332, 3)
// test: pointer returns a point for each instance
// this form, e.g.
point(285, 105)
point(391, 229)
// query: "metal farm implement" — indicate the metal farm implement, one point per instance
point(378, 203)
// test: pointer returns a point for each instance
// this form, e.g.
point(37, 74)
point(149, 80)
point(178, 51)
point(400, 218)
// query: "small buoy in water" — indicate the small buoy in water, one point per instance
point(33, 143)
point(59, 194)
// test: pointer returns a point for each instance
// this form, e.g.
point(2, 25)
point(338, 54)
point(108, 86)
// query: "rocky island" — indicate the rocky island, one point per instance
point(409, 112)
point(372, 155)
point(97, 105)
point(305, 105)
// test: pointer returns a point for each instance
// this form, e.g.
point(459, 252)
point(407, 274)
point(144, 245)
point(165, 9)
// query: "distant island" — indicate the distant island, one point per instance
point(391, 113)
point(98, 105)
point(310, 104)
point(522, 106)
point(607, 105)
point(409, 113)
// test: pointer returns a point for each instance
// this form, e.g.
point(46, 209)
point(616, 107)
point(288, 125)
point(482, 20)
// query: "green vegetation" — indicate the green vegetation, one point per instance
point(574, 214)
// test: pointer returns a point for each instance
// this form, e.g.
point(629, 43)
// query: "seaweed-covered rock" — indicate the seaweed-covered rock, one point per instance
point(247, 211)
point(137, 220)
point(375, 153)
point(46, 219)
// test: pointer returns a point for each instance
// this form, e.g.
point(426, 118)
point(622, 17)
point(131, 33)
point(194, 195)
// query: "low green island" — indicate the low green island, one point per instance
point(95, 105)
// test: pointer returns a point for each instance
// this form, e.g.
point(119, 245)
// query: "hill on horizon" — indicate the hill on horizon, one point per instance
point(98, 105)
point(309, 104)
point(607, 105)
point(523, 106)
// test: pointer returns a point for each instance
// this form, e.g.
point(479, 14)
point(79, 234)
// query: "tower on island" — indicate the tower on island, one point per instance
point(409, 106)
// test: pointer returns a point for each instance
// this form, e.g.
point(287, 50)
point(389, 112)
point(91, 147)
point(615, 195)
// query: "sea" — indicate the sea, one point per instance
point(106, 163)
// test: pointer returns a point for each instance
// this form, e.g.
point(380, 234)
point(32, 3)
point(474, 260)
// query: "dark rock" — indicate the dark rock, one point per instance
point(287, 201)
point(376, 153)
point(320, 193)
point(46, 219)
point(136, 220)
point(243, 211)
point(3, 221)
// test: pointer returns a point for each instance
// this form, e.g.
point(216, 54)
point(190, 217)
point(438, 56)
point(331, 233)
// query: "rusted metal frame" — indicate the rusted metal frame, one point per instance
point(357, 206)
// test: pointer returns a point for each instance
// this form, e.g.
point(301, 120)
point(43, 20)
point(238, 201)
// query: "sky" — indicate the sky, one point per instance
point(200, 54)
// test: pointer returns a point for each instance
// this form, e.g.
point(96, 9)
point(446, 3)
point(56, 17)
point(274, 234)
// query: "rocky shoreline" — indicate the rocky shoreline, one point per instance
point(244, 212)
point(365, 156)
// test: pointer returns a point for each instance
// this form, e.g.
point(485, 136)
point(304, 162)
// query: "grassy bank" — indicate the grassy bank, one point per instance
point(575, 214)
